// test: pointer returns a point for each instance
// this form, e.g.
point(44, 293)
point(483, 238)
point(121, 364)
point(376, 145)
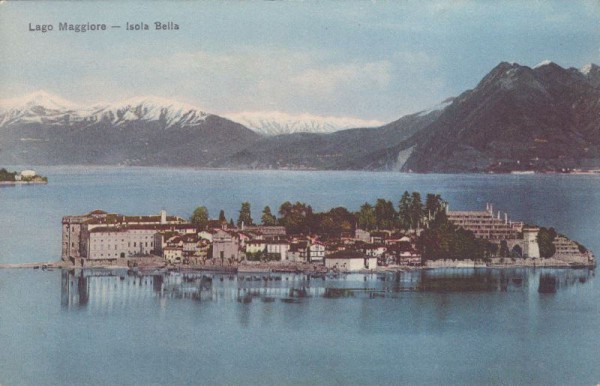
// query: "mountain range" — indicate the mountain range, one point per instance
point(543, 118)
point(277, 123)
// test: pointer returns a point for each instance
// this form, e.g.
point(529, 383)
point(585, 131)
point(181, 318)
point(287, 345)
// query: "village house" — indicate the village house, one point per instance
point(225, 245)
point(374, 250)
point(266, 231)
point(350, 261)
point(362, 235)
point(173, 255)
point(316, 253)
point(298, 251)
point(278, 248)
point(206, 235)
point(256, 246)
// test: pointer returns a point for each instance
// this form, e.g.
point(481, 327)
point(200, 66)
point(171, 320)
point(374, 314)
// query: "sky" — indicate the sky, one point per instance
point(374, 60)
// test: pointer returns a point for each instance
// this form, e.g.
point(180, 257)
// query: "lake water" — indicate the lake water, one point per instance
point(433, 327)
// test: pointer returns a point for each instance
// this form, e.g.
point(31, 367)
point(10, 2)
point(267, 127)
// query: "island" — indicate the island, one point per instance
point(379, 236)
point(25, 177)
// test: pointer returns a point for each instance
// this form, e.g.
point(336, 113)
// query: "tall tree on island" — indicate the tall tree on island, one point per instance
point(433, 204)
point(416, 210)
point(366, 217)
point(245, 216)
point(545, 239)
point(404, 211)
point(222, 218)
point(267, 218)
point(200, 217)
point(385, 214)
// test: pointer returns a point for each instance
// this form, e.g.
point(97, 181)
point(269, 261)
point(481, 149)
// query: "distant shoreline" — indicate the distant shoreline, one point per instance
point(13, 183)
point(300, 169)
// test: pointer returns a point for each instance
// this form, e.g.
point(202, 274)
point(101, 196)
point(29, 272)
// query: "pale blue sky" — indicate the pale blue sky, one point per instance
point(373, 60)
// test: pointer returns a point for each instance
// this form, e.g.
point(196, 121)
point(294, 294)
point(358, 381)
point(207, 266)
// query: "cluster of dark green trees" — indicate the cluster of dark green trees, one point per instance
point(411, 213)
point(444, 240)
point(299, 217)
point(5, 175)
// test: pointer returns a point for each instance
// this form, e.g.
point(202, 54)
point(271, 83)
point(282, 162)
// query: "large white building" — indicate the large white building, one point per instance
point(99, 235)
point(485, 225)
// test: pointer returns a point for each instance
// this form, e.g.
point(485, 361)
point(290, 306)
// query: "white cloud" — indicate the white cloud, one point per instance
point(325, 81)
point(257, 78)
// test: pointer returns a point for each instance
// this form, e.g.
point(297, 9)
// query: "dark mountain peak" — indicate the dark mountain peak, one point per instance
point(542, 118)
point(552, 71)
point(509, 77)
point(547, 64)
point(496, 73)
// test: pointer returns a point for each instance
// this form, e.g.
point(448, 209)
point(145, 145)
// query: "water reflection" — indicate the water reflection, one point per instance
point(122, 288)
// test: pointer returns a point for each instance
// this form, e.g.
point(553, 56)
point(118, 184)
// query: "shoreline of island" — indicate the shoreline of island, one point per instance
point(16, 183)
point(24, 177)
point(299, 268)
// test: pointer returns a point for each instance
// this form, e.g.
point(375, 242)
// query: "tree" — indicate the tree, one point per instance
point(516, 251)
point(222, 218)
point(504, 252)
point(200, 217)
point(245, 216)
point(545, 239)
point(404, 211)
point(434, 205)
point(416, 210)
point(297, 218)
point(385, 214)
point(267, 218)
point(366, 217)
point(444, 240)
point(333, 223)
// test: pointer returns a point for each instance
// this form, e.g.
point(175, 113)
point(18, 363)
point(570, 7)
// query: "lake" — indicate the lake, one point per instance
point(423, 327)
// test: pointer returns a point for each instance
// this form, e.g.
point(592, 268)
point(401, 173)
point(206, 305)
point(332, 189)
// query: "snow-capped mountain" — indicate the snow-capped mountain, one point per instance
point(45, 108)
point(276, 123)
point(37, 107)
point(41, 128)
point(166, 111)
